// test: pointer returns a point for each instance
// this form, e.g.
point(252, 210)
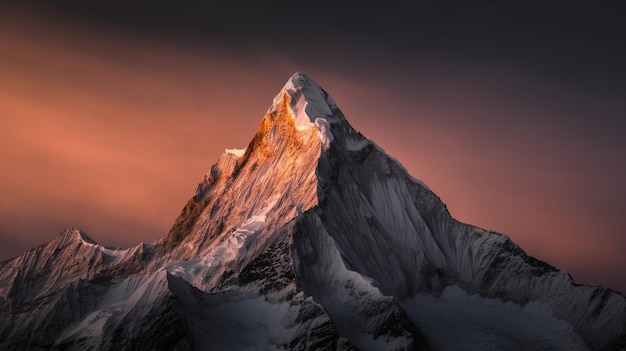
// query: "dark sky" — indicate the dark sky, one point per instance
point(513, 114)
point(576, 43)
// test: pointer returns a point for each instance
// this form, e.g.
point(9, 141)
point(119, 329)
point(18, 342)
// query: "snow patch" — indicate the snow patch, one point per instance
point(228, 250)
point(92, 325)
point(488, 324)
point(236, 152)
point(298, 110)
point(120, 299)
point(357, 144)
point(356, 306)
point(116, 297)
point(117, 253)
point(393, 159)
point(323, 131)
point(308, 101)
point(248, 324)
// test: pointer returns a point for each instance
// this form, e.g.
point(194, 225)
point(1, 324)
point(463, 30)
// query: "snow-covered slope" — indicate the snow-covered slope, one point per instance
point(311, 237)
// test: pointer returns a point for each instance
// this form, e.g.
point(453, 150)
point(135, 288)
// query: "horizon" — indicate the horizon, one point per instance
point(109, 128)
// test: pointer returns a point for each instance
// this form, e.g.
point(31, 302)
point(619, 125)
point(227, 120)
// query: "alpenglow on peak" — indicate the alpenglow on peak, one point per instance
point(310, 238)
point(309, 104)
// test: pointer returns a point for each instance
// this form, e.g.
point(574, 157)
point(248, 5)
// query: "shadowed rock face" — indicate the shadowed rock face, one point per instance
point(310, 238)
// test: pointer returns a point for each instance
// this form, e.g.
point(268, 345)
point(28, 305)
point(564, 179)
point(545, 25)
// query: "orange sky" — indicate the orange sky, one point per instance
point(111, 133)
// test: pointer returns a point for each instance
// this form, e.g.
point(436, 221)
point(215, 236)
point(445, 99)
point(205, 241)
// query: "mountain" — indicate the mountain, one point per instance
point(310, 238)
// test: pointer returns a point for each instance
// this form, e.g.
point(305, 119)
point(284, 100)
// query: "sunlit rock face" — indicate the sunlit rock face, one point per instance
point(311, 237)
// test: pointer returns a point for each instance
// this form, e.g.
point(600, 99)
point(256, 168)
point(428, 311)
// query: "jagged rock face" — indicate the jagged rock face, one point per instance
point(251, 191)
point(310, 238)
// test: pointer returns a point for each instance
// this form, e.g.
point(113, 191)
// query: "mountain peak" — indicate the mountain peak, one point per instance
point(300, 79)
point(311, 237)
point(73, 235)
point(308, 101)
